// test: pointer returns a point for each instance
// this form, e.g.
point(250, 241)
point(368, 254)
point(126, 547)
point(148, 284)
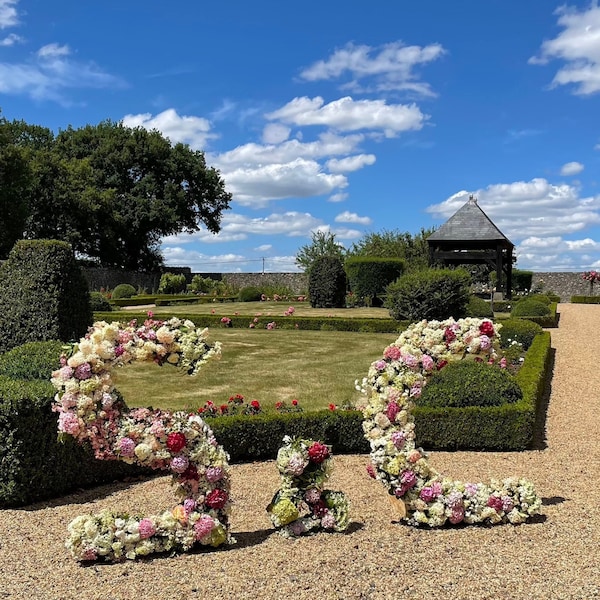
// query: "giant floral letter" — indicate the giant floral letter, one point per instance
point(423, 495)
point(91, 411)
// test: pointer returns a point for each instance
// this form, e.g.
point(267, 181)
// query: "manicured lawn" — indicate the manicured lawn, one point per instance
point(266, 309)
point(317, 368)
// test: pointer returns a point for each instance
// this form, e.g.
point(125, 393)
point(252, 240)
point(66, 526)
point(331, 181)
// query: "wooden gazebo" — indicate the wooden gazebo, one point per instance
point(470, 237)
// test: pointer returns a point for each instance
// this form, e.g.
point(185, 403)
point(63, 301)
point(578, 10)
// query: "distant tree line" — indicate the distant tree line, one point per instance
point(111, 191)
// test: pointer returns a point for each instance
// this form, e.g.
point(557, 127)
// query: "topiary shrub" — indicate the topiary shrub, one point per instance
point(327, 283)
point(543, 298)
point(34, 360)
point(43, 295)
point(518, 330)
point(170, 283)
point(369, 276)
point(529, 307)
point(429, 294)
point(249, 294)
point(98, 302)
point(521, 280)
point(478, 307)
point(470, 383)
point(123, 290)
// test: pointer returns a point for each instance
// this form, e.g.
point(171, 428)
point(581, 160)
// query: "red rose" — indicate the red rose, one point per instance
point(295, 402)
point(449, 335)
point(495, 502)
point(332, 407)
point(223, 409)
point(190, 473)
point(175, 441)
point(255, 404)
point(318, 452)
point(216, 499)
point(487, 328)
point(279, 405)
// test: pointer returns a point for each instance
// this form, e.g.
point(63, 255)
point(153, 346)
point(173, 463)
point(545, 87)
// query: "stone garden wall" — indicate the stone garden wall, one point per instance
point(564, 284)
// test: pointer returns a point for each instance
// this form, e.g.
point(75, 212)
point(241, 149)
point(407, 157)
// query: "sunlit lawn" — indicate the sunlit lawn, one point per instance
point(315, 367)
point(266, 309)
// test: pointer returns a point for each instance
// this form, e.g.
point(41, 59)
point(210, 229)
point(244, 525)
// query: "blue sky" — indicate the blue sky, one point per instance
point(340, 116)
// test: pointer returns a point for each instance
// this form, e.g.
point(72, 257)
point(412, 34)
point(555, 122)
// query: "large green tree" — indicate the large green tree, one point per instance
point(323, 243)
point(113, 192)
point(395, 244)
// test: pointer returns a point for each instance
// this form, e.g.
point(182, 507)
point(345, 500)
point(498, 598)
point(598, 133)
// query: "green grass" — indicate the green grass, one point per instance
point(265, 309)
point(317, 368)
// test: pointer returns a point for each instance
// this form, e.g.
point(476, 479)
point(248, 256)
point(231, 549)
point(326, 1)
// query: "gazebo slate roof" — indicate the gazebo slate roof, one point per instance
point(469, 223)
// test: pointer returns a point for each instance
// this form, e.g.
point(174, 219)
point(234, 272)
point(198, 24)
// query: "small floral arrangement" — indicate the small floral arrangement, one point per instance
point(425, 497)
point(289, 312)
point(91, 411)
point(226, 322)
point(271, 325)
point(302, 504)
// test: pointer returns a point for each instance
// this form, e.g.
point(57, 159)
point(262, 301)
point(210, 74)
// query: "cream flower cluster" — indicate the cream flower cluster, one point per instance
point(91, 410)
point(391, 384)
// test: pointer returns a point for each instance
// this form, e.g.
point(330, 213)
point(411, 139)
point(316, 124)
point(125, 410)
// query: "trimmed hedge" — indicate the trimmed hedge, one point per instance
point(99, 302)
point(429, 294)
point(530, 308)
point(518, 330)
point(34, 465)
point(365, 325)
point(43, 294)
point(478, 307)
point(548, 321)
point(34, 360)
point(496, 428)
point(369, 276)
point(522, 280)
point(585, 299)
point(123, 290)
point(327, 283)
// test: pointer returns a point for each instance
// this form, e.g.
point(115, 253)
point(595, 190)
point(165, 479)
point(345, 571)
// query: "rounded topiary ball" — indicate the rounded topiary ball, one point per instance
point(518, 330)
point(99, 303)
point(123, 290)
point(470, 383)
point(249, 294)
point(530, 308)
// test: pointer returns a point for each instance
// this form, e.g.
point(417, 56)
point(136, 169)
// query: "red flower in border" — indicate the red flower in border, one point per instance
point(176, 441)
point(216, 499)
point(487, 328)
point(318, 452)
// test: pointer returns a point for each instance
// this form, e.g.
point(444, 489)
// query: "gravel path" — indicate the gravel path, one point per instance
point(557, 556)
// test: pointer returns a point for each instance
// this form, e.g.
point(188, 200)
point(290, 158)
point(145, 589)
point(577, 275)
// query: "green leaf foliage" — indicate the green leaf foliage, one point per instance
point(327, 283)
point(470, 383)
point(518, 330)
point(323, 243)
point(34, 360)
point(99, 302)
point(522, 280)
point(585, 299)
point(529, 307)
point(43, 295)
point(478, 307)
point(123, 290)
point(369, 276)
point(429, 294)
point(249, 294)
point(171, 283)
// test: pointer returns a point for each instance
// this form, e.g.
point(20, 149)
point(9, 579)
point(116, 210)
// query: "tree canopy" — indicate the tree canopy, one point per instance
point(323, 243)
point(112, 191)
point(395, 244)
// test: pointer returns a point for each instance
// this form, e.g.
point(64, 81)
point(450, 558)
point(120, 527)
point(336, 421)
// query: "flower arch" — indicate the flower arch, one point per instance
point(423, 496)
point(91, 410)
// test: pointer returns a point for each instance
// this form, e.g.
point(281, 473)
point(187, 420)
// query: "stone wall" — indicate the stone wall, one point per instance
point(297, 282)
point(564, 284)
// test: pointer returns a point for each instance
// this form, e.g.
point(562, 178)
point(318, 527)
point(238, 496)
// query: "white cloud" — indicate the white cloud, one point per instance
point(571, 168)
point(390, 66)
point(347, 114)
point(11, 40)
point(8, 13)
point(349, 217)
point(350, 163)
point(252, 154)
point(207, 263)
point(579, 46)
point(194, 131)
point(536, 208)
point(275, 133)
point(264, 248)
point(297, 179)
point(339, 197)
point(50, 72)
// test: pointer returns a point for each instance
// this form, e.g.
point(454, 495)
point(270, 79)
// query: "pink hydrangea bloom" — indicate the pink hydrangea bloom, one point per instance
point(69, 423)
point(127, 446)
point(214, 474)
point(203, 526)
point(147, 528)
point(328, 521)
point(179, 464)
point(392, 353)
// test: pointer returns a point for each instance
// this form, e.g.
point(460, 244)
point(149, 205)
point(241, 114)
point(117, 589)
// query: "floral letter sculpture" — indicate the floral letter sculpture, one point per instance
point(91, 411)
point(425, 497)
point(305, 466)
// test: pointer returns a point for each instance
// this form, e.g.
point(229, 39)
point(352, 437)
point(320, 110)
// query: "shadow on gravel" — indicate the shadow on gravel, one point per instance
point(539, 429)
point(553, 500)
